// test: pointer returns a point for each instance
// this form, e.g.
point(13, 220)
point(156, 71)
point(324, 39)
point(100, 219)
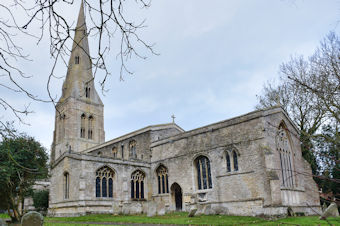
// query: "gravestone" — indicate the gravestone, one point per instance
point(192, 212)
point(32, 218)
point(152, 209)
point(324, 207)
point(290, 212)
point(331, 211)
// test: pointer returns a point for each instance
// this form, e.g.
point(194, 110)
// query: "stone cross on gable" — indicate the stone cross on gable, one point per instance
point(173, 118)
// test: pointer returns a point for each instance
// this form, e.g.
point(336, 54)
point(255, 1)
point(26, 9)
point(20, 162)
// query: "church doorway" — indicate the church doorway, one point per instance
point(176, 194)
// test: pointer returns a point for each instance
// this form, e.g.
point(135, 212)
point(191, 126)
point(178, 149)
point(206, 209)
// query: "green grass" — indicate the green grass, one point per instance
point(4, 215)
point(181, 218)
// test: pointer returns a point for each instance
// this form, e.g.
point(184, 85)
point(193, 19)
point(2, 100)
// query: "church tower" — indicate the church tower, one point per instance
point(79, 118)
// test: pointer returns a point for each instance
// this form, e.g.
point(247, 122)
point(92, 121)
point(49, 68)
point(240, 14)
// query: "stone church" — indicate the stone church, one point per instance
point(247, 165)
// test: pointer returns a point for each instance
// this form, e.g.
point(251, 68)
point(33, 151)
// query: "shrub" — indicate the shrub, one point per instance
point(40, 200)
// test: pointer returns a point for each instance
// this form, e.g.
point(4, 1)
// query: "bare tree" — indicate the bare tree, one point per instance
point(107, 20)
point(309, 91)
point(302, 107)
point(323, 78)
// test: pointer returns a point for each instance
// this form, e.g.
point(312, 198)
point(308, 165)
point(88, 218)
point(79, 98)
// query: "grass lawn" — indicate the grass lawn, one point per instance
point(4, 215)
point(181, 218)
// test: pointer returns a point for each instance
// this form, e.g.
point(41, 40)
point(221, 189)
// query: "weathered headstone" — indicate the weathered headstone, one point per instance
point(290, 212)
point(152, 209)
point(32, 218)
point(324, 207)
point(331, 211)
point(192, 212)
point(207, 210)
point(161, 211)
point(220, 210)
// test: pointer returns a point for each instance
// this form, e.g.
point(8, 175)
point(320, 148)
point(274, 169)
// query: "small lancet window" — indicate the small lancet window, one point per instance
point(82, 125)
point(62, 126)
point(122, 148)
point(162, 174)
point(137, 185)
point(203, 173)
point(76, 59)
point(90, 131)
point(132, 147)
point(66, 185)
point(235, 161)
point(114, 152)
point(228, 162)
point(87, 92)
point(104, 182)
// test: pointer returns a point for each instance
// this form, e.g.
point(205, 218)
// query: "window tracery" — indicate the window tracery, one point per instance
point(104, 182)
point(162, 175)
point(285, 154)
point(137, 185)
point(203, 173)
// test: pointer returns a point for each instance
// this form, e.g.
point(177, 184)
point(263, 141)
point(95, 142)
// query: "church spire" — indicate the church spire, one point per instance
point(79, 78)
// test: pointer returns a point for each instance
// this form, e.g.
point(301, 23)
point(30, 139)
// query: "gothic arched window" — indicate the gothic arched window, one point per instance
point(137, 185)
point(162, 175)
point(235, 161)
point(89, 128)
point(132, 148)
point(82, 125)
point(114, 152)
point(66, 185)
point(228, 161)
point(285, 154)
point(203, 173)
point(104, 182)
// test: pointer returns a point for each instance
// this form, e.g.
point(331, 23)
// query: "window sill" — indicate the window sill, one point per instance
point(203, 190)
point(138, 200)
point(161, 195)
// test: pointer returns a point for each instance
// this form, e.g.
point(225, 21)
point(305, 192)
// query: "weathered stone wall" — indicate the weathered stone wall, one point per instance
point(244, 135)
point(123, 150)
point(304, 192)
point(82, 198)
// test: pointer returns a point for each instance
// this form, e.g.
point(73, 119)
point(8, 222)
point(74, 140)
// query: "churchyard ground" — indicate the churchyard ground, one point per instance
point(182, 219)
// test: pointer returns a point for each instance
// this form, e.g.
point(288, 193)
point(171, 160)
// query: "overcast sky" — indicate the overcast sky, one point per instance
point(214, 58)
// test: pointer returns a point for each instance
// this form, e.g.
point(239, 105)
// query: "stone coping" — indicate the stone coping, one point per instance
point(103, 159)
point(225, 123)
point(134, 133)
